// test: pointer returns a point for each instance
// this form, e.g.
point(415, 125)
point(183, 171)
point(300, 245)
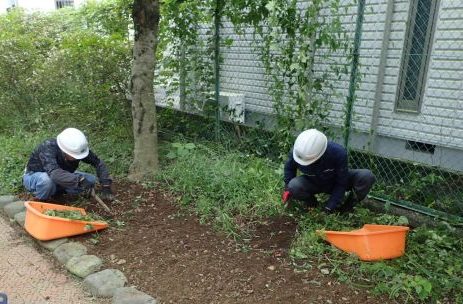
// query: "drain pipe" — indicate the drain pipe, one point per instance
point(436, 214)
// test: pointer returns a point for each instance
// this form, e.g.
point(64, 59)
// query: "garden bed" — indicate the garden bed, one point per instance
point(166, 252)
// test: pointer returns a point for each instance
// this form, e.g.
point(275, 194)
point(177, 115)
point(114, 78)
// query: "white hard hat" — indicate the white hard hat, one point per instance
point(309, 147)
point(73, 142)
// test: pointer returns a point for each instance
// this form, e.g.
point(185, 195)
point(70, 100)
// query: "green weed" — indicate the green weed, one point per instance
point(221, 186)
point(14, 154)
point(72, 215)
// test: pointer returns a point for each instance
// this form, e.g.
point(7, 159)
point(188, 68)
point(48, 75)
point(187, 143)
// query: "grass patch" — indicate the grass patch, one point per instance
point(430, 271)
point(222, 186)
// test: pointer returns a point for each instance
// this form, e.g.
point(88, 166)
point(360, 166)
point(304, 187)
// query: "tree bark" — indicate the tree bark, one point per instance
point(145, 163)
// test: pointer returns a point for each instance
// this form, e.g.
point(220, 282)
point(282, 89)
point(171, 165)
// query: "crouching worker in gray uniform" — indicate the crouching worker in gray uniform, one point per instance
point(51, 169)
point(323, 165)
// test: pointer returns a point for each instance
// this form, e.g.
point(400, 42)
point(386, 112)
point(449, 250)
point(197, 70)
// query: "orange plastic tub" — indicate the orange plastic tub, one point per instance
point(45, 228)
point(371, 242)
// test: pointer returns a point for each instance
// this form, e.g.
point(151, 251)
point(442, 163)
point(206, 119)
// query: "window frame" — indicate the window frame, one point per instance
point(64, 3)
point(425, 60)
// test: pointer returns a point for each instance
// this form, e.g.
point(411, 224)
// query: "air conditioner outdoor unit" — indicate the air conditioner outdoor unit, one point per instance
point(232, 106)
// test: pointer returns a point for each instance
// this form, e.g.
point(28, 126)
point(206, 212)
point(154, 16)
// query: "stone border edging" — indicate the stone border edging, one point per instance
point(107, 283)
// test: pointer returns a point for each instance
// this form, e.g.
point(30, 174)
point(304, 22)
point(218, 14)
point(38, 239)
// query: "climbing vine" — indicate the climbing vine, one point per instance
point(186, 62)
point(296, 37)
point(292, 35)
point(302, 46)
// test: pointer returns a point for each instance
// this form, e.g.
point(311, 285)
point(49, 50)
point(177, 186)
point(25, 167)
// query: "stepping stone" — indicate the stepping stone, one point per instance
point(84, 265)
point(66, 251)
point(129, 295)
point(20, 218)
point(105, 283)
point(52, 245)
point(12, 208)
point(6, 199)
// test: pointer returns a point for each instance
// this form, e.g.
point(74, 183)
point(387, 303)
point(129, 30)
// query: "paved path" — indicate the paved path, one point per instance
point(30, 277)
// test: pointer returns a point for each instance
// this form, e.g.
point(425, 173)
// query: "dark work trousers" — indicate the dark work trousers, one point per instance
point(304, 187)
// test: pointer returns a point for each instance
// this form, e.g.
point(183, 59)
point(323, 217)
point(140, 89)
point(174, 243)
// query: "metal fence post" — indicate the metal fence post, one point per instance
point(217, 16)
point(354, 68)
point(182, 79)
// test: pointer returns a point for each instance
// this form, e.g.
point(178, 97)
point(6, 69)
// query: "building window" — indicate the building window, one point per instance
point(64, 3)
point(416, 54)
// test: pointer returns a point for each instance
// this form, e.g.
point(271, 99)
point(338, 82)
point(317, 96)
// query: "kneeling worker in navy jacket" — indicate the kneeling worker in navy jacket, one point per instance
point(323, 167)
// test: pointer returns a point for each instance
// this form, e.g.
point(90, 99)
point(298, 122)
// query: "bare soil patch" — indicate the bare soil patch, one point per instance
point(165, 252)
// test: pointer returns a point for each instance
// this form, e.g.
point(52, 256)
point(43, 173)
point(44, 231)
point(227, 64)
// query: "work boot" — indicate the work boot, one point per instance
point(349, 203)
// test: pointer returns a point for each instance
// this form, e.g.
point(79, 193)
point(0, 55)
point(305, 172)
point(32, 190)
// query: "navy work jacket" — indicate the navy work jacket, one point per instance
point(329, 173)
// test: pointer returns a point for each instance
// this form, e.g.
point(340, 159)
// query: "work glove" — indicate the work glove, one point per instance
point(285, 197)
point(85, 186)
point(106, 194)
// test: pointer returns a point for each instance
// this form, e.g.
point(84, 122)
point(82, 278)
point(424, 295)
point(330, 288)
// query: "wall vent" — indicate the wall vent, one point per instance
point(420, 147)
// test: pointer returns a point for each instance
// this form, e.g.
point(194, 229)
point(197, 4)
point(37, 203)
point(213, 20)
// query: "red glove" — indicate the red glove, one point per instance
point(285, 197)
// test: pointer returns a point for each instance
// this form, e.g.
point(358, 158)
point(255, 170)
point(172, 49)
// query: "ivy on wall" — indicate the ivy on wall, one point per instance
point(185, 58)
point(289, 36)
point(294, 35)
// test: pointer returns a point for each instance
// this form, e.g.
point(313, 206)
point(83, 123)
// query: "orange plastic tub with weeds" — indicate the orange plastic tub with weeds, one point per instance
point(371, 242)
point(44, 227)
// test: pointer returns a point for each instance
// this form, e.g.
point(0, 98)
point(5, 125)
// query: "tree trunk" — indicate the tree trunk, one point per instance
point(145, 15)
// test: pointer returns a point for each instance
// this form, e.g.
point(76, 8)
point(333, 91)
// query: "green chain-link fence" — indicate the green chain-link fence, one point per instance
point(382, 77)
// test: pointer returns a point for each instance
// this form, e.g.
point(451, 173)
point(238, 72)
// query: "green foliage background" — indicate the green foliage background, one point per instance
point(62, 69)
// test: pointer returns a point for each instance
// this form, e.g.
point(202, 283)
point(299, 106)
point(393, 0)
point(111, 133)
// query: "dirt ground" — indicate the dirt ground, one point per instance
point(165, 252)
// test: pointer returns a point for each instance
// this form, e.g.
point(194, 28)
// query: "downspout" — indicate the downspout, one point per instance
point(380, 77)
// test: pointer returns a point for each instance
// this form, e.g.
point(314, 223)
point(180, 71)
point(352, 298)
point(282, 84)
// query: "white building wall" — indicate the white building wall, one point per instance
point(3, 7)
point(370, 55)
point(34, 5)
point(440, 120)
point(242, 71)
